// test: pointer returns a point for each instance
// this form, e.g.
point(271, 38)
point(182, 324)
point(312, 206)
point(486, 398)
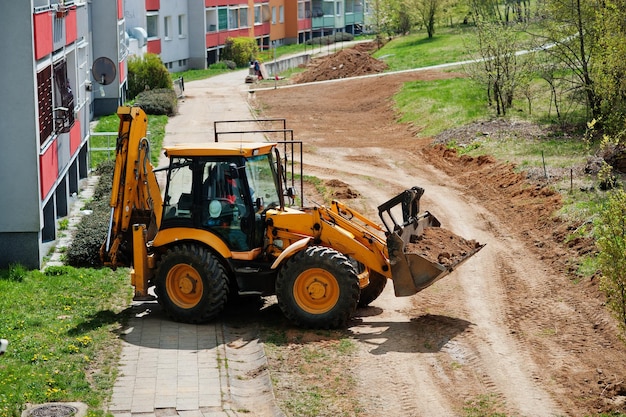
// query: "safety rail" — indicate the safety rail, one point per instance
point(288, 144)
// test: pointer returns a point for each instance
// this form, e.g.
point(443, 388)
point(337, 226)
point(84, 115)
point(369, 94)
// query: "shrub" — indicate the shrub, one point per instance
point(240, 50)
point(219, 65)
point(91, 232)
point(159, 101)
point(147, 72)
point(610, 228)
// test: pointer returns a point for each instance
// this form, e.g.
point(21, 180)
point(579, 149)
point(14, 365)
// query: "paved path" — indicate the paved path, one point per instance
point(174, 369)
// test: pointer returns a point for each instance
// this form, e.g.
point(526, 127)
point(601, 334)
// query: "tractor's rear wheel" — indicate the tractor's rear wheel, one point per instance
point(191, 284)
point(373, 289)
point(318, 288)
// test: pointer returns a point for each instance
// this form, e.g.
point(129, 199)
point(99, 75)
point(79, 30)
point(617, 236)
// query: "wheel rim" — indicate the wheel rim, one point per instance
point(316, 291)
point(184, 286)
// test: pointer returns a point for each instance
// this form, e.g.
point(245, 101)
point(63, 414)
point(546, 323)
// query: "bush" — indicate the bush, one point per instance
point(147, 72)
point(92, 230)
point(159, 101)
point(240, 50)
point(219, 65)
point(610, 228)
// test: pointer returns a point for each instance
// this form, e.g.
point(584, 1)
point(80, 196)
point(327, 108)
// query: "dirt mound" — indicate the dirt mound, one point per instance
point(341, 190)
point(349, 62)
point(442, 246)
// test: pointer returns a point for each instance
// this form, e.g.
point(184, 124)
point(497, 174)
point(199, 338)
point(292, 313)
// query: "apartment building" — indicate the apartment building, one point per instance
point(192, 33)
point(50, 95)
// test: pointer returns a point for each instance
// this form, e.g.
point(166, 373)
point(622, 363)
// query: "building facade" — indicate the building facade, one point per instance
point(50, 98)
point(192, 33)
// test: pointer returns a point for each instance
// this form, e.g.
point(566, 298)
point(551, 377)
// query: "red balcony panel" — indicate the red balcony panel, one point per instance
point(215, 39)
point(262, 30)
point(70, 26)
point(120, 9)
point(154, 46)
point(152, 5)
point(215, 3)
point(304, 24)
point(122, 66)
point(43, 34)
point(49, 168)
point(75, 138)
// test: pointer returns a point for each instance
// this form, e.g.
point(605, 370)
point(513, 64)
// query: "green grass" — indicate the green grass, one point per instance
point(110, 123)
point(61, 326)
point(434, 106)
point(417, 50)
point(199, 74)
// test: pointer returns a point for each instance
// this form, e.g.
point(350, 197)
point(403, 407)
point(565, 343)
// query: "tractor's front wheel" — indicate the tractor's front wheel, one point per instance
point(318, 288)
point(373, 290)
point(191, 284)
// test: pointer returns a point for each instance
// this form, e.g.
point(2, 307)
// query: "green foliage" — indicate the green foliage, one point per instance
point(610, 228)
point(147, 72)
point(240, 50)
point(161, 101)
point(200, 74)
point(62, 343)
point(15, 273)
point(91, 232)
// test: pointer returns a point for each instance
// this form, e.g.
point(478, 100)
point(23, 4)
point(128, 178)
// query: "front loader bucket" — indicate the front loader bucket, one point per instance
point(420, 251)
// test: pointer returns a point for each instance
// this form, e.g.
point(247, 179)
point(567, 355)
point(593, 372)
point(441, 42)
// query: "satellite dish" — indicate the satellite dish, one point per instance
point(103, 70)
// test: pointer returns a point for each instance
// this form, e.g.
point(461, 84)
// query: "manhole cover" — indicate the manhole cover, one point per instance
point(53, 410)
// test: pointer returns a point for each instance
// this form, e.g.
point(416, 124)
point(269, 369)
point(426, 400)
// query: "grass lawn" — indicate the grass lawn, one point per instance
point(61, 326)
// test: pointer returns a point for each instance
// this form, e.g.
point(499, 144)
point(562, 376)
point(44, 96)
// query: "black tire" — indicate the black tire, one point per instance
point(191, 284)
point(373, 289)
point(318, 288)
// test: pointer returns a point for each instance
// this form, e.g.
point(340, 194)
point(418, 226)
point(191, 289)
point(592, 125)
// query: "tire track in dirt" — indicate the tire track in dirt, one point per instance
point(497, 365)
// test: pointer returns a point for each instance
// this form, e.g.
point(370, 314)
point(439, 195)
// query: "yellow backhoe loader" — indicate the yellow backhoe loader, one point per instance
point(228, 223)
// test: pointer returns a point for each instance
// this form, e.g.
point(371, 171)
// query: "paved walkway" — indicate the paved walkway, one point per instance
point(174, 369)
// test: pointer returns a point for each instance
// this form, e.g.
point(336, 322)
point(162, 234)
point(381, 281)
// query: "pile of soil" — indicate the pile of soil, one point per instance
point(349, 62)
point(442, 246)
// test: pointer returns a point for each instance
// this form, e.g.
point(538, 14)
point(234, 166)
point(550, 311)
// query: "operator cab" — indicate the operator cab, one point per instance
point(224, 194)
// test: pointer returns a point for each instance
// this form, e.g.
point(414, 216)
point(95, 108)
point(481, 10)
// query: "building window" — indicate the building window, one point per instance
point(167, 27)
point(304, 9)
point(211, 20)
point(339, 8)
point(63, 99)
point(233, 18)
point(281, 14)
point(243, 17)
point(181, 26)
point(152, 25)
point(44, 93)
point(265, 12)
point(257, 15)
point(273, 15)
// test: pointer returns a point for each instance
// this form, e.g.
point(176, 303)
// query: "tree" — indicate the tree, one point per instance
point(610, 77)
point(427, 10)
point(570, 30)
point(499, 66)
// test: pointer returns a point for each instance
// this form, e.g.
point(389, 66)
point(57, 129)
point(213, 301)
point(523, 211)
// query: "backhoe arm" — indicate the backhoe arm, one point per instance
point(135, 193)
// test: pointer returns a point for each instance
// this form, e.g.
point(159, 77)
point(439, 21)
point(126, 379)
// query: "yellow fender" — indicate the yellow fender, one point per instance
point(291, 250)
point(176, 234)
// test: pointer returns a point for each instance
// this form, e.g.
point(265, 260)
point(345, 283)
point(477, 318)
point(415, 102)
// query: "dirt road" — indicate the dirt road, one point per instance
point(509, 331)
